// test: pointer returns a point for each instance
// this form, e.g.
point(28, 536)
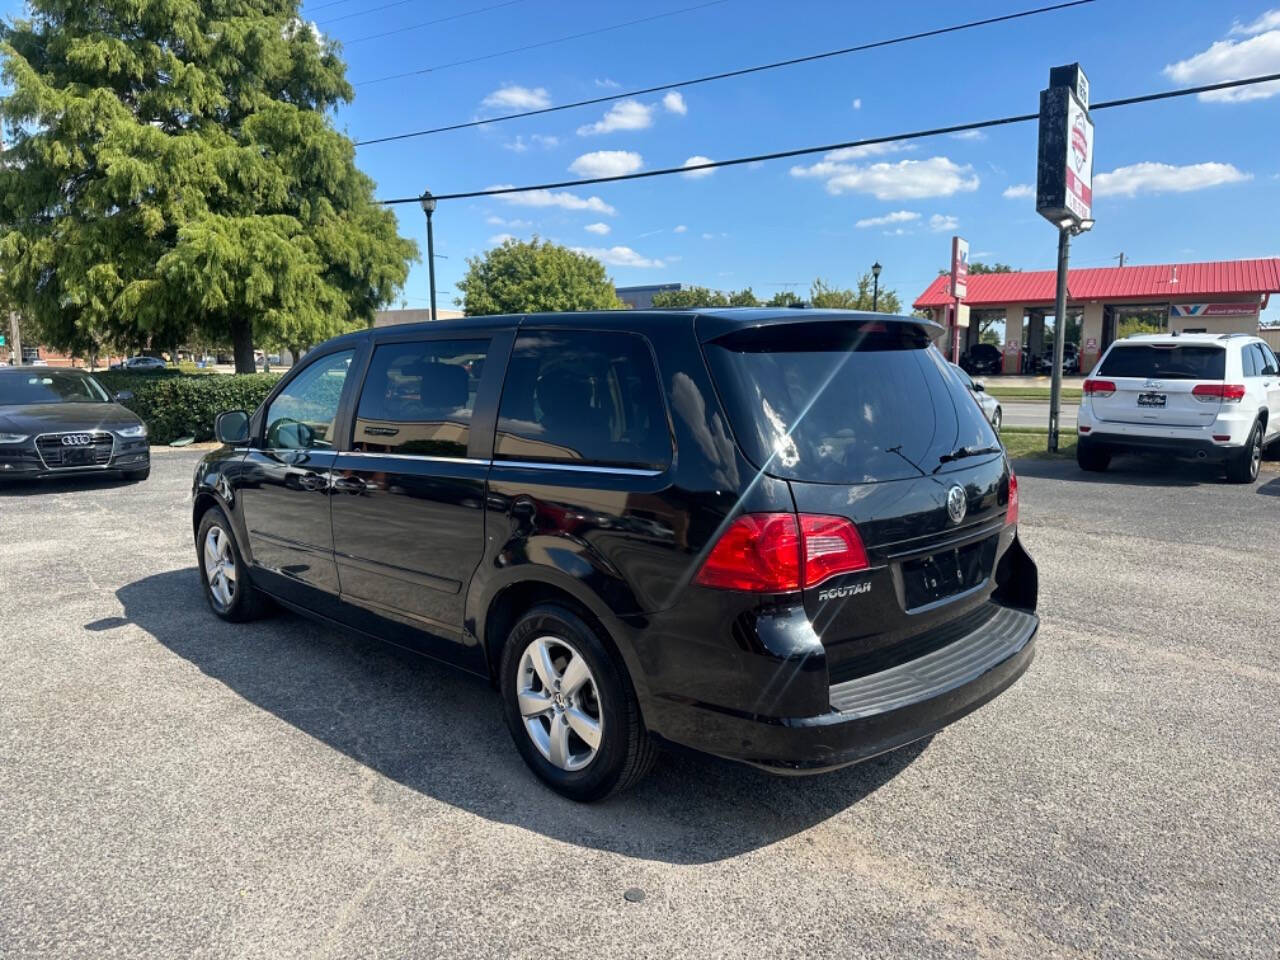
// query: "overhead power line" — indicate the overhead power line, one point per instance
point(361, 13)
point(865, 142)
point(759, 68)
point(425, 23)
point(540, 43)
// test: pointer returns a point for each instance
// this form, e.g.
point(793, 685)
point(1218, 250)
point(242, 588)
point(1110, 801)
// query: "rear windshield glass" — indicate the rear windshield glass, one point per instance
point(1167, 363)
point(847, 402)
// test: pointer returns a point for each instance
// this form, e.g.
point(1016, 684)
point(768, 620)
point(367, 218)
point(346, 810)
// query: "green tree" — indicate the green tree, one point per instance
point(691, 298)
point(977, 267)
point(822, 294)
point(520, 277)
point(784, 298)
point(174, 172)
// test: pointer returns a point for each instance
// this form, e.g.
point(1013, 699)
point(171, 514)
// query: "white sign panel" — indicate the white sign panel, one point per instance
point(1079, 161)
point(959, 267)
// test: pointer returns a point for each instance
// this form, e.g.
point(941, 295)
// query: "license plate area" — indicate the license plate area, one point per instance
point(1152, 399)
point(927, 580)
point(79, 457)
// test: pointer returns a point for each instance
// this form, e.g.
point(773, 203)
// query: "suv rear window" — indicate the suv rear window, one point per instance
point(1174, 362)
point(845, 402)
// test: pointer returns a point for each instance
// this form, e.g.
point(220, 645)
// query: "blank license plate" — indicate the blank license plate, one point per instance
point(1151, 399)
point(82, 457)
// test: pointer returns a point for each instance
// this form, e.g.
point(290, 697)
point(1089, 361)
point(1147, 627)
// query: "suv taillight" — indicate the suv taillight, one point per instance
point(782, 552)
point(1226, 392)
point(1099, 388)
point(1011, 517)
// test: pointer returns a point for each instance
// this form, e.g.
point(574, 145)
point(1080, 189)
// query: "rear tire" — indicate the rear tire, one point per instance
point(1243, 466)
point(1091, 458)
point(580, 685)
point(224, 574)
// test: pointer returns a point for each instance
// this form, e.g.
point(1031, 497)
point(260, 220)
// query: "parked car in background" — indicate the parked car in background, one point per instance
point(978, 390)
point(1211, 397)
point(642, 527)
point(982, 358)
point(55, 422)
point(140, 364)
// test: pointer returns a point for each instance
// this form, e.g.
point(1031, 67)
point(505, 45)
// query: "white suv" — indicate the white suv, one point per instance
point(1212, 397)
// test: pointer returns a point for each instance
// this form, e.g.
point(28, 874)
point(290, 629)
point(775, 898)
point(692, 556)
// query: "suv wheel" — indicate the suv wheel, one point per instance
point(223, 572)
point(570, 707)
point(1091, 458)
point(1243, 466)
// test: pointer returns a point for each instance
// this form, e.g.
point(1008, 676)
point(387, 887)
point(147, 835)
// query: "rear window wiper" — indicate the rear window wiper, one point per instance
point(961, 452)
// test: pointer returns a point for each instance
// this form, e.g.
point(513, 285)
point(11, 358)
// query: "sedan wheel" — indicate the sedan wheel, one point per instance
point(220, 566)
point(560, 703)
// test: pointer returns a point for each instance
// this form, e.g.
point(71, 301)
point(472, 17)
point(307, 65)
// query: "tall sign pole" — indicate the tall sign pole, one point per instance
point(1064, 194)
point(959, 289)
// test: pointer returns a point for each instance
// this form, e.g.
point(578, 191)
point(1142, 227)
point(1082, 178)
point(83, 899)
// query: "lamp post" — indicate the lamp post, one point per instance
point(429, 207)
point(875, 286)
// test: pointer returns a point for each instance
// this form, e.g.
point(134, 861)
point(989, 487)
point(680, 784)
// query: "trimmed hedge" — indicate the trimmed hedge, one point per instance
point(176, 405)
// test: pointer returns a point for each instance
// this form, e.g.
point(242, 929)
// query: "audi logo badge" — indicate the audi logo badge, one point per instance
point(77, 440)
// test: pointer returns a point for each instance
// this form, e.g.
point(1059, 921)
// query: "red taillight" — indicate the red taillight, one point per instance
point(1226, 392)
point(831, 546)
point(1012, 516)
point(1099, 388)
point(780, 552)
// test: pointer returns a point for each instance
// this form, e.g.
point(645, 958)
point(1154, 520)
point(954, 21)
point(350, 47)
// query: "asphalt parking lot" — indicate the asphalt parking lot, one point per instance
point(174, 786)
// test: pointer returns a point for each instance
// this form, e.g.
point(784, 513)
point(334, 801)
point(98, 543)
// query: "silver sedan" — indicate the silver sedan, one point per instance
point(990, 405)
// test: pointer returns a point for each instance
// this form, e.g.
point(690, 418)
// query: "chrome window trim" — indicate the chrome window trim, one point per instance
point(413, 456)
point(578, 468)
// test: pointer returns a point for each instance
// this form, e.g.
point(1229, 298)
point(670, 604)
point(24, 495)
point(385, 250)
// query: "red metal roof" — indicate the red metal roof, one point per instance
point(1165, 281)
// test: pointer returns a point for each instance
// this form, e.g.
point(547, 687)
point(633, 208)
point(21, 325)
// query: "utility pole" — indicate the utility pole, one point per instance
point(1120, 258)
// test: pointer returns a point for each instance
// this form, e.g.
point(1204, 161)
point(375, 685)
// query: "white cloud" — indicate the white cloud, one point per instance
point(607, 163)
point(518, 98)
point(1235, 60)
point(969, 135)
point(897, 232)
point(708, 236)
point(1150, 177)
point(627, 115)
point(868, 150)
point(597, 228)
point(547, 198)
point(898, 216)
point(520, 144)
point(498, 239)
point(904, 180)
point(607, 83)
point(619, 256)
point(512, 224)
point(693, 162)
point(1019, 191)
point(673, 102)
point(857, 103)
point(680, 229)
point(940, 223)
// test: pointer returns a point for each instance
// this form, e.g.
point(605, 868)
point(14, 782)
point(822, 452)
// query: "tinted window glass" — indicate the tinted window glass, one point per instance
point(583, 396)
point(1167, 363)
point(1249, 360)
point(845, 402)
point(28, 388)
point(302, 414)
point(1270, 367)
point(418, 398)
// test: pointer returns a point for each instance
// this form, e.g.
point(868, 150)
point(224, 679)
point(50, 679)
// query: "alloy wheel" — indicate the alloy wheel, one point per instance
point(559, 702)
point(1255, 455)
point(220, 566)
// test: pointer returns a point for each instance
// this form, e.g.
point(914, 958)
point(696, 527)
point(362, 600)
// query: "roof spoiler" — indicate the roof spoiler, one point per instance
point(712, 326)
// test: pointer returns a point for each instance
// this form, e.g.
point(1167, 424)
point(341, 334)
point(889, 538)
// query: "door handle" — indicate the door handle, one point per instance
point(350, 485)
point(311, 481)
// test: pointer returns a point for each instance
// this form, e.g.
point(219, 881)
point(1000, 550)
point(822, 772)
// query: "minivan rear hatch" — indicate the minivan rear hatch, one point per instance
point(867, 421)
point(1154, 383)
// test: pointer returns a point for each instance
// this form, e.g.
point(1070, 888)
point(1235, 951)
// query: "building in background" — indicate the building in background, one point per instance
point(1107, 303)
point(641, 297)
point(387, 318)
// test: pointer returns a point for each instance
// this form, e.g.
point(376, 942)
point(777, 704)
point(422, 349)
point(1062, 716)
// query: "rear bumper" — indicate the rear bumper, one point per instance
point(1188, 442)
point(872, 714)
point(1189, 448)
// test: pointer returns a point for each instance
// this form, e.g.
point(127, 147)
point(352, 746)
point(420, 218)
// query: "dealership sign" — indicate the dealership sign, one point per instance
point(1064, 174)
point(1201, 310)
point(959, 268)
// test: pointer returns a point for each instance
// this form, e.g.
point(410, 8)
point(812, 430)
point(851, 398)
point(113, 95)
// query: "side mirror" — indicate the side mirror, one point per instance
point(979, 386)
point(124, 395)
point(231, 427)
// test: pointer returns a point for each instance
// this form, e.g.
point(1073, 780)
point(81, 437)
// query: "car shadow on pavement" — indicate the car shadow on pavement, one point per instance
point(426, 726)
point(21, 487)
point(1127, 471)
point(1271, 488)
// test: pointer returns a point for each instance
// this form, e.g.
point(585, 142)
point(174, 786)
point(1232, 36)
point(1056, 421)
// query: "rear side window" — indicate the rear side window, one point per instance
point(585, 397)
point(1249, 360)
point(845, 402)
point(1269, 367)
point(1174, 362)
point(418, 398)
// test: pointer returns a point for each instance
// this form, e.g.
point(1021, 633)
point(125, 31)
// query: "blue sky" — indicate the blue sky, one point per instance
point(1190, 179)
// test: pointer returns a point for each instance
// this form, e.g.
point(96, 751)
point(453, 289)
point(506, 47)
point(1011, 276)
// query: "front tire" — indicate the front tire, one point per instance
point(1090, 458)
point(1243, 466)
point(224, 574)
point(570, 706)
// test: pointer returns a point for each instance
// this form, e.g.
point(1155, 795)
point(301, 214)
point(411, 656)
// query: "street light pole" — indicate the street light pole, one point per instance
point(875, 286)
point(429, 207)
point(1065, 232)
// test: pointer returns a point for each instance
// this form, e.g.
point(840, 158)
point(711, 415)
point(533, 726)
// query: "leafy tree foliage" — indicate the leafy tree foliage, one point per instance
point(174, 172)
point(692, 298)
point(520, 277)
point(822, 294)
point(784, 298)
point(978, 266)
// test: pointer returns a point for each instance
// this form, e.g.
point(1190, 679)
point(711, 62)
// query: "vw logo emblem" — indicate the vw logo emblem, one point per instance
point(76, 440)
point(957, 504)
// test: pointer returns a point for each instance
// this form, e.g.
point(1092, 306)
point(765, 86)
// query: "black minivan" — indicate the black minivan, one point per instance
point(785, 537)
